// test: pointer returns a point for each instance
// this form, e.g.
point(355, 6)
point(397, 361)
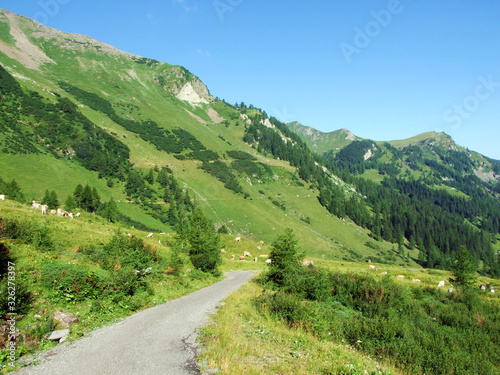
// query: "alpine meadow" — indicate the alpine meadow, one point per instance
point(125, 184)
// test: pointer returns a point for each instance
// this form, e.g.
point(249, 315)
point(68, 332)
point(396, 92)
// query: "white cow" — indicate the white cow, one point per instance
point(2, 197)
point(44, 209)
point(247, 254)
point(441, 284)
point(268, 261)
point(237, 239)
point(150, 235)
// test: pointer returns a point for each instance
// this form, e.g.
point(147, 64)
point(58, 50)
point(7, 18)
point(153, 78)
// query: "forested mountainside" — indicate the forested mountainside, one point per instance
point(147, 139)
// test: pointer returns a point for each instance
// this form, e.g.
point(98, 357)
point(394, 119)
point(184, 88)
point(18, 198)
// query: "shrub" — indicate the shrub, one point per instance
point(223, 173)
point(70, 282)
point(33, 233)
point(240, 155)
point(122, 252)
point(175, 261)
point(423, 331)
point(126, 282)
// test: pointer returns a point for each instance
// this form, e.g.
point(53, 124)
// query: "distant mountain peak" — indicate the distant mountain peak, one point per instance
point(31, 56)
point(321, 142)
point(431, 138)
point(20, 47)
point(349, 135)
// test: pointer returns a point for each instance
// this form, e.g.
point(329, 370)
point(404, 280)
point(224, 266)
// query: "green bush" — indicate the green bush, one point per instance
point(240, 155)
point(122, 252)
point(126, 282)
point(69, 282)
point(33, 233)
point(223, 173)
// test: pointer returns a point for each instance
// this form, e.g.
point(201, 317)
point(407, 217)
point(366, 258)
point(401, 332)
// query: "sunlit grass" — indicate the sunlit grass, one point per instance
point(242, 340)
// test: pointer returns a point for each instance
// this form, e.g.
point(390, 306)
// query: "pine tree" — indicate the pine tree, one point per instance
point(96, 200)
point(111, 211)
point(464, 271)
point(86, 198)
point(54, 201)
point(50, 199)
point(150, 178)
point(401, 247)
point(203, 242)
point(422, 256)
point(70, 203)
point(412, 242)
point(173, 215)
point(13, 191)
point(78, 195)
point(162, 178)
point(46, 198)
point(285, 257)
point(182, 228)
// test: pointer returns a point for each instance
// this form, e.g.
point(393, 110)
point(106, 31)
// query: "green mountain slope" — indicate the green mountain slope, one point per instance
point(320, 142)
point(149, 137)
point(162, 116)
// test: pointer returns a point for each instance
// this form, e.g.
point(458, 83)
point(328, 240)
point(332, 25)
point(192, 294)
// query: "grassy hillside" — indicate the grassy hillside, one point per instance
point(144, 90)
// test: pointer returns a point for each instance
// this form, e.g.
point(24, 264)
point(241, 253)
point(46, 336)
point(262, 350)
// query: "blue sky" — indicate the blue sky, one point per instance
point(383, 69)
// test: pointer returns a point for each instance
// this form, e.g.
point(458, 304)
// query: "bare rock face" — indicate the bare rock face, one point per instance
point(64, 318)
point(23, 49)
point(195, 92)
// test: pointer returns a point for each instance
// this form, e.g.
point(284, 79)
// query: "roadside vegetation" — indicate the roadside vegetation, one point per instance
point(94, 269)
point(293, 317)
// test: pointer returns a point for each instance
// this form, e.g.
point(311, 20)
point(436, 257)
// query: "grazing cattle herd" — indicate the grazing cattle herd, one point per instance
point(63, 213)
point(59, 212)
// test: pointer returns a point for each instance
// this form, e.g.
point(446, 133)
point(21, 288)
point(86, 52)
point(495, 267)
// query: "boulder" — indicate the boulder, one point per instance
point(58, 335)
point(64, 318)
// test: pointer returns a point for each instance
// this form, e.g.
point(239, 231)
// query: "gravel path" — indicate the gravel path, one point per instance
point(159, 340)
